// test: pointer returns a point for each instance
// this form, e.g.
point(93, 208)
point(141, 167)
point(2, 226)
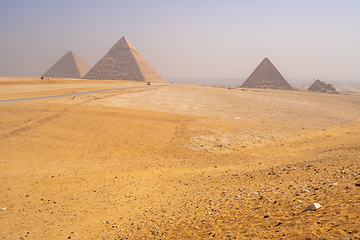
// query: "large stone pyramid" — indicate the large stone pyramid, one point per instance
point(266, 76)
point(69, 66)
point(319, 86)
point(123, 61)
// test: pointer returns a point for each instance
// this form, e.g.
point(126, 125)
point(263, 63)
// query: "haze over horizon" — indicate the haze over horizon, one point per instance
point(305, 40)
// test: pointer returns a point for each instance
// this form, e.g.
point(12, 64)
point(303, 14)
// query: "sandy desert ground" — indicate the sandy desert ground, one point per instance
point(177, 162)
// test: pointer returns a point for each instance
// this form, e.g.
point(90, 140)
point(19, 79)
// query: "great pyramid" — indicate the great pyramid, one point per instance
point(266, 76)
point(123, 61)
point(69, 66)
point(319, 86)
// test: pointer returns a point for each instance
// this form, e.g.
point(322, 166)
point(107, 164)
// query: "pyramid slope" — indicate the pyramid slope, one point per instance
point(69, 66)
point(315, 85)
point(123, 61)
point(266, 76)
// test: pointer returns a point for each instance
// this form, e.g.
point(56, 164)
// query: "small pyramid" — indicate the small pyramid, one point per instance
point(319, 86)
point(266, 76)
point(69, 66)
point(123, 61)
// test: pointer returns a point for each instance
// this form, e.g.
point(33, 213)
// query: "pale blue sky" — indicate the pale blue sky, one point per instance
point(305, 40)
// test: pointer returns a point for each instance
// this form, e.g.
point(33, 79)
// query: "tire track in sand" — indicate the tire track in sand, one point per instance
point(38, 123)
point(43, 121)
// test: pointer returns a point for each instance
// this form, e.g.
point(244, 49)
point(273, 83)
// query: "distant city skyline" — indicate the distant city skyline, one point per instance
point(184, 40)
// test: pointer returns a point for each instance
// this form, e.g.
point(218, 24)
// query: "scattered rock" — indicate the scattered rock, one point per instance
point(3, 209)
point(266, 216)
point(278, 224)
point(357, 184)
point(312, 207)
point(305, 191)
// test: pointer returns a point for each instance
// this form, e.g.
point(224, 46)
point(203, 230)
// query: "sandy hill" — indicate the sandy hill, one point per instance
point(266, 76)
point(123, 61)
point(69, 66)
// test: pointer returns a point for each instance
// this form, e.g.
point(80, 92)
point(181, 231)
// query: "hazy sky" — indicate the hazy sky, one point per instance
point(305, 40)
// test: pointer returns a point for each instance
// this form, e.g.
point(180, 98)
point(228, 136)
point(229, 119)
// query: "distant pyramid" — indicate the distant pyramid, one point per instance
point(319, 86)
point(266, 76)
point(123, 61)
point(69, 66)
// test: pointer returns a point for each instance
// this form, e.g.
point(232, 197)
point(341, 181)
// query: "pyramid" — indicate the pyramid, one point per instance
point(123, 61)
point(319, 86)
point(69, 66)
point(266, 76)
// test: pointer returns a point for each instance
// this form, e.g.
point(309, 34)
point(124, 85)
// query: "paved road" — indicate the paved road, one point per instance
point(72, 94)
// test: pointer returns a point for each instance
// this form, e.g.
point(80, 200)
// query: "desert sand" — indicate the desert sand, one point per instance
point(177, 162)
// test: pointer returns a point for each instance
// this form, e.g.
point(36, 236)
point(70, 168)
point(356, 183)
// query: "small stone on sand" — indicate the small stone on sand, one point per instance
point(312, 207)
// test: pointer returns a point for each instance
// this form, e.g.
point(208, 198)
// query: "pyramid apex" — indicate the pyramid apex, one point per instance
point(123, 39)
point(123, 43)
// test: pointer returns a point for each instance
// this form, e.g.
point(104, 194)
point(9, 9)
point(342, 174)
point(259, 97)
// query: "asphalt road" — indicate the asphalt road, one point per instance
point(71, 94)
